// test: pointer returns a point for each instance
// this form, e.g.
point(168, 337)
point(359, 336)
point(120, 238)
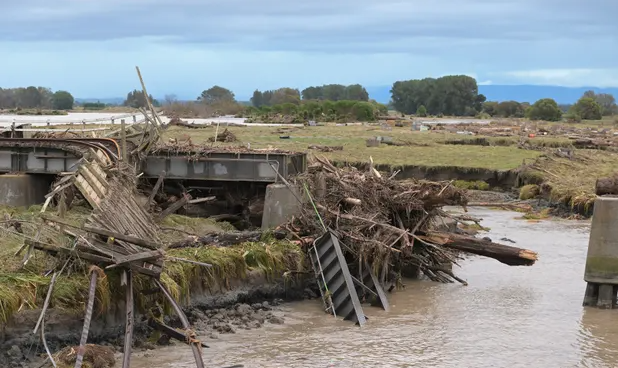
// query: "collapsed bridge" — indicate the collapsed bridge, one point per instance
point(30, 166)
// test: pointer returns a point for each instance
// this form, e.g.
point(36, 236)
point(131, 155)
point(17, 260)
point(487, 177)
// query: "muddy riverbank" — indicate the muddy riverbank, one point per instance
point(506, 317)
point(248, 304)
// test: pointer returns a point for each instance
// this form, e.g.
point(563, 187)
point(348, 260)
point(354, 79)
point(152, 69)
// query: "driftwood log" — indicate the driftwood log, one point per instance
point(506, 254)
point(607, 186)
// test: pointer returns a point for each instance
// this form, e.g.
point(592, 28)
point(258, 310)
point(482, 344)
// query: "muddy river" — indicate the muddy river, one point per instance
point(506, 317)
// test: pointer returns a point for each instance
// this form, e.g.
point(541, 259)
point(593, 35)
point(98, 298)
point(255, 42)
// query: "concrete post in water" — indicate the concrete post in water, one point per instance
point(134, 119)
point(601, 272)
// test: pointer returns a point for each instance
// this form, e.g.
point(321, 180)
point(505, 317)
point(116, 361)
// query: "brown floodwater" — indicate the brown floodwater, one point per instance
point(506, 317)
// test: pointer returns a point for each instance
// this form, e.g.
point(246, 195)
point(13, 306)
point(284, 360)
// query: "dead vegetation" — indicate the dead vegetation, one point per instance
point(388, 223)
point(95, 356)
point(226, 137)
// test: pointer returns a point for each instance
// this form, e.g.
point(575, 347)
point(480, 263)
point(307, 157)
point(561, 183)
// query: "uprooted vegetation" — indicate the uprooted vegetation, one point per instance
point(388, 223)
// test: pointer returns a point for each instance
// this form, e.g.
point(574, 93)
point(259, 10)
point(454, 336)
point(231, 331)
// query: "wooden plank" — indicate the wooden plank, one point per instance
point(150, 270)
point(128, 331)
point(86, 328)
point(87, 192)
point(97, 186)
point(127, 238)
point(202, 200)
point(155, 189)
point(171, 332)
point(58, 189)
point(174, 207)
point(137, 257)
point(55, 250)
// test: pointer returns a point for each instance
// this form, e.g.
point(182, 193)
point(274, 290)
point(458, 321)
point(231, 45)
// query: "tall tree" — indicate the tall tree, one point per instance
point(29, 97)
point(285, 95)
point(137, 100)
point(312, 93)
point(334, 92)
point(216, 94)
point(62, 100)
point(257, 100)
point(606, 101)
point(449, 95)
point(544, 109)
point(587, 108)
point(356, 92)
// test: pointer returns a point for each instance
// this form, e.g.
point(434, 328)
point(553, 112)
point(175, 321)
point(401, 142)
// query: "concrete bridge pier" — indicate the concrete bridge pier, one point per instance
point(601, 273)
point(23, 190)
point(280, 204)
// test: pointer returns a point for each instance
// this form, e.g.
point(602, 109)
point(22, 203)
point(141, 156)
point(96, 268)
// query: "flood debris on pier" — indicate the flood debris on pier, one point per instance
point(379, 230)
point(389, 222)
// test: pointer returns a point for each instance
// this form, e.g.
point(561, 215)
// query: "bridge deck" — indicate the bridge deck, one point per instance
point(254, 166)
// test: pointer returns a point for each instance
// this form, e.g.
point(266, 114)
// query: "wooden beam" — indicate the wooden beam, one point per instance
point(170, 331)
point(137, 257)
point(128, 331)
point(127, 238)
point(155, 189)
point(174, 207)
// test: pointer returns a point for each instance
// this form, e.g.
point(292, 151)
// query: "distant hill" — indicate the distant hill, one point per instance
point(521, 93)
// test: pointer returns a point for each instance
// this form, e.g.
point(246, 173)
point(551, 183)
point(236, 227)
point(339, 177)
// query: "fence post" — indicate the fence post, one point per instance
point(123, 135)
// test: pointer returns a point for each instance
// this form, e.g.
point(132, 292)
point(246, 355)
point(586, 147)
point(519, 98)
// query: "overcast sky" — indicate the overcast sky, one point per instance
point(90, 47)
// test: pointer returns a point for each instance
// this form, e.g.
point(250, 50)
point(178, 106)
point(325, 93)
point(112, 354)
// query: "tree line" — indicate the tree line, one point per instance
point(327, 92)
point(453, 95)
point(286, 101)
point(35, 98)
point(591, 106)
point(325, 110)
point(457, 95)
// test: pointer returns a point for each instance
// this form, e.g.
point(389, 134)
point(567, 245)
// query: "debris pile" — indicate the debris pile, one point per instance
point(326, 148)
point(391, 223)
point(119, 235)
point(58, 135)
point(176, 121)
point(226, 137)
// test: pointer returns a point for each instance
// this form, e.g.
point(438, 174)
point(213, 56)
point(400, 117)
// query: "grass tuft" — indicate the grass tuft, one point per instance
point(471, 185)
point(529, 191)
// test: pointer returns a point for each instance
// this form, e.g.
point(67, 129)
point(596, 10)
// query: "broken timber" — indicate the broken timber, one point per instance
point(506, 254)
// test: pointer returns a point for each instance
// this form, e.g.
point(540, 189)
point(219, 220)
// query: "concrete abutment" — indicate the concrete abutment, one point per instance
point(23, 190)
point(601, 273)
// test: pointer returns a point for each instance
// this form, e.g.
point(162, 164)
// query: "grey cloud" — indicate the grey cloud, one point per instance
point(362, 26)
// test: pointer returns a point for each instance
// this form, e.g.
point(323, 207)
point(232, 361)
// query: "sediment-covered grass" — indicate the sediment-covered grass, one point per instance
point(572, 182)
point(26, 287)
point(471, 185)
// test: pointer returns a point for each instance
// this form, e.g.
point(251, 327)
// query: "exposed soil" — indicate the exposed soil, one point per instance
point(246, 307)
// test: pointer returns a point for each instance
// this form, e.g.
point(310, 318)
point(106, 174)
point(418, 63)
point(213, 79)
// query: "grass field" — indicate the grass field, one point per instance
point(569, 179)
point(422, 149)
